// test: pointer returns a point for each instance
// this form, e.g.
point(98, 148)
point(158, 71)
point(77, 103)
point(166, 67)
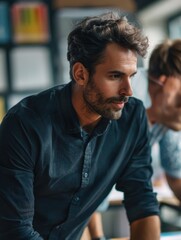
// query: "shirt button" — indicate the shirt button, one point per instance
point(76, 199)
point(86, 175)
point(58, 227)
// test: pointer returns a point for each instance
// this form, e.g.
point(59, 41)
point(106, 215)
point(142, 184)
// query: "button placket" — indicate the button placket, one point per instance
point(86, 166)
point(76, 200)
point(86, 174)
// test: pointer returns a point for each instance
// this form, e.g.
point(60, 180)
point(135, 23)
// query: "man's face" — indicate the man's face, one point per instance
point(110, 87)
point(172, 90)
point(166, 92)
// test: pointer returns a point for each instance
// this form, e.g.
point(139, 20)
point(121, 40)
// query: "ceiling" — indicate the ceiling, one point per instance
point(134, 6)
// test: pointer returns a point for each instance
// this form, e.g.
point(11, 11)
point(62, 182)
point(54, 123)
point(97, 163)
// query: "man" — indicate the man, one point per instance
point(63, 149)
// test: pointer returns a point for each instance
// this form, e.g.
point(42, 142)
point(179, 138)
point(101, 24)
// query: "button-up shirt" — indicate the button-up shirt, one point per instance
point(53, 175)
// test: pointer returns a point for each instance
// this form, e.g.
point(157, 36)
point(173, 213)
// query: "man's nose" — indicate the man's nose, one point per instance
point(126, 88)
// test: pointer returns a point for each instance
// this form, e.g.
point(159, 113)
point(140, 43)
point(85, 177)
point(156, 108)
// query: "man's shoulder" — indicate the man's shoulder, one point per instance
point(40, 100)
point(49, 93)
point(40, 105)
point(134, 103)
point(133, 112)
point(135, 100)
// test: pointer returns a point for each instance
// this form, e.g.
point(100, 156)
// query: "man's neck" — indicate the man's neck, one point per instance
point(87, 118)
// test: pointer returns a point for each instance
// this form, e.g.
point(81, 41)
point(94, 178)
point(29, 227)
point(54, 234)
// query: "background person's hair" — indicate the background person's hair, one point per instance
point(87, 42)
point(166, 59)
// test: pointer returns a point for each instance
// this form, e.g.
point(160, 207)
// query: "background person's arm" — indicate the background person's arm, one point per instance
point(95, 225)
point(146, 229)
point(169, 116)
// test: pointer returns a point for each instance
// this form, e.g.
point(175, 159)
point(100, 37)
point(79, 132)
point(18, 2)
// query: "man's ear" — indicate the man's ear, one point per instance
point(162, 79)
point(80, 73)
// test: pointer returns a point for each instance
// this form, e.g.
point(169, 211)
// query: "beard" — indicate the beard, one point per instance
point(96, 102)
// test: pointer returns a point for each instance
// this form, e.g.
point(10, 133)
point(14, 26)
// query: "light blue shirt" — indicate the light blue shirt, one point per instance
point(170, 153)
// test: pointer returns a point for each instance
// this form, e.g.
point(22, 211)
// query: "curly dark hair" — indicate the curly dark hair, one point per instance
point(166, 59)
point(87, 42)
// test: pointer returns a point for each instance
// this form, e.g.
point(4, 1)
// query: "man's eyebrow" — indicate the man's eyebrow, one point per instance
point(121, 73)
point(116, 72)
point(132, 75)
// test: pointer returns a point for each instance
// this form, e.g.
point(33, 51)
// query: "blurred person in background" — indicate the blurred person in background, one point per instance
point(164, 113)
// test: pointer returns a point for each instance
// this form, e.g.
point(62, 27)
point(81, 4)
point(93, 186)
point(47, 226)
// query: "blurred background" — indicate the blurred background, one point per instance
point(33, 46)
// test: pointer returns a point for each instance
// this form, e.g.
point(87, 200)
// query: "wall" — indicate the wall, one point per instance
point(154, 21)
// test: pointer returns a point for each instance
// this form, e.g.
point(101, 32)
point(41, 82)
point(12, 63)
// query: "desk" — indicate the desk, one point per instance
point(171, 236)
point(166, 200)
point(165, 196)
point(119, 238)
point(164, 236)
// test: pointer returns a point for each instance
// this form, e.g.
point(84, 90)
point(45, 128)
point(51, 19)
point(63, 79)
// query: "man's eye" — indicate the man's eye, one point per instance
point(132, 77)
point(115, 76)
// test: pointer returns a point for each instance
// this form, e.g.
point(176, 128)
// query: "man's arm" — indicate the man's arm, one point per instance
point(140, 201)
point(16, 182)
point(175, 185)
point(147, 228)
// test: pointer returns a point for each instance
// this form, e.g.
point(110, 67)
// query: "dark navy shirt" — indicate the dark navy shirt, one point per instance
point(53, 175)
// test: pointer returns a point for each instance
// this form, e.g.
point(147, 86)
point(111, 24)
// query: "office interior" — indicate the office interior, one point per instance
point(29, 64)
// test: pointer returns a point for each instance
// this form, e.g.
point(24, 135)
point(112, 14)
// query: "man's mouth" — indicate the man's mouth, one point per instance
point(123, 99)
point(120, 100)
point(119, 105)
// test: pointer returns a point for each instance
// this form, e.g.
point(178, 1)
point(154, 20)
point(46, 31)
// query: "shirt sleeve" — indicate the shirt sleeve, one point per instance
point(170, 153)
point(139, 199)
point(16, 182)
